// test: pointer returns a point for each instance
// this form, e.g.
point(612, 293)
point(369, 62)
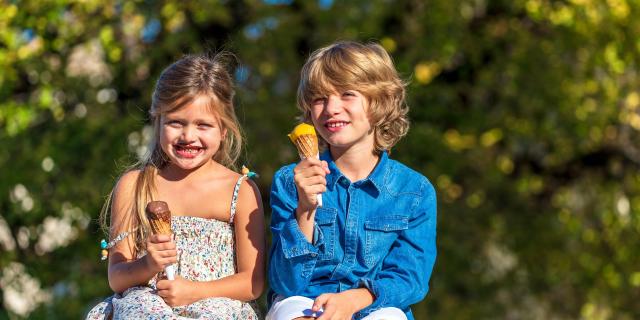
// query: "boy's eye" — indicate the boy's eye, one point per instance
point(319, 100)
point(349, 94)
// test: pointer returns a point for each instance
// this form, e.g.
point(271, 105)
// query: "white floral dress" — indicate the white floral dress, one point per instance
point(206, 251)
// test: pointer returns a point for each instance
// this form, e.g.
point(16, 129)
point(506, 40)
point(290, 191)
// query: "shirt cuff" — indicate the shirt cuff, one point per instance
point(379, 294)
point(295, 244)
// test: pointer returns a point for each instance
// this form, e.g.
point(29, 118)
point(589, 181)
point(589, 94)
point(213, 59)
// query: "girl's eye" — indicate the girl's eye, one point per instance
point(205, 125)
point(174, 123)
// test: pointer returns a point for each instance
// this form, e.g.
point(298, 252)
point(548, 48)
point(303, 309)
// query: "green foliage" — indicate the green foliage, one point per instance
point(525, 116)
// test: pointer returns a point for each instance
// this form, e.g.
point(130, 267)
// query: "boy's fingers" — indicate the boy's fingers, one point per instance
point(319, 302)
point(325, 166)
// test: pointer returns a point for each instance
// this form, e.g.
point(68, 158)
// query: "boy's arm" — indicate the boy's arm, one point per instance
point(404, 277)
point(292, 257)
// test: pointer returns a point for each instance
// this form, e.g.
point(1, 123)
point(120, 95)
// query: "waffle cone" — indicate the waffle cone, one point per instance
point(307, 146)
point(159, 217)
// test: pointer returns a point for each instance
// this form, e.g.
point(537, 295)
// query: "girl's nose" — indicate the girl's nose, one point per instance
point(188, 134)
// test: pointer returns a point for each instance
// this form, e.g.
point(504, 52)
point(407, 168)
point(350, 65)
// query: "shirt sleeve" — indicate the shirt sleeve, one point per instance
point(406, 270)
point(292, 258)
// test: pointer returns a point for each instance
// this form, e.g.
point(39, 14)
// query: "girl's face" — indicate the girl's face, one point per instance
point(341, 119)
point(191, 135)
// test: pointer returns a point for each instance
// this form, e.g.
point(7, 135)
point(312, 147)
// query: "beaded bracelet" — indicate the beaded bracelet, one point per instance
point(105, 246)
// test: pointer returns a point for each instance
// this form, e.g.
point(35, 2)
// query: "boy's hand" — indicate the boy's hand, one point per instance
point(339, 306)
point(309, 177)
point(161, 251)
point(178, 292)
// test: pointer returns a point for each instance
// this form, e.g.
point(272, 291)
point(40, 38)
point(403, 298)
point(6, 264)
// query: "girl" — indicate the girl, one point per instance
point(368, 251)
point(217, 223)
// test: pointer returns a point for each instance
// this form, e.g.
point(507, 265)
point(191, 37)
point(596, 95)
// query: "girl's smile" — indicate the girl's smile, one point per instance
point(188, 152)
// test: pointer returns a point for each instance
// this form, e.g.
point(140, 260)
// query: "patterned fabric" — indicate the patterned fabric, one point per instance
point(206, 251)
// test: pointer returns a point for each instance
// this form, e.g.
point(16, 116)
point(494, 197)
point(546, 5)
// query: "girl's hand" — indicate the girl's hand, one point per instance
point(161, 251)
point(309, 177)
point(178, 292)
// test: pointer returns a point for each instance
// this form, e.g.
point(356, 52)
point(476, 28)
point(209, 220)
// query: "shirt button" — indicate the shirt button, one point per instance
point(343, 182)
point(313, 254)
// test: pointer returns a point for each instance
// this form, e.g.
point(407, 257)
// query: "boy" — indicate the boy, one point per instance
point(368, 251)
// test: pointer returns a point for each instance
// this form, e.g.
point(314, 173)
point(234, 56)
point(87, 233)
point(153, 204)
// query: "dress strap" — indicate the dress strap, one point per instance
point(246, 174)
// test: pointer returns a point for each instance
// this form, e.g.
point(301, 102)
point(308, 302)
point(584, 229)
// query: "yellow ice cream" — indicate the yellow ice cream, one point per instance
point(301, 130)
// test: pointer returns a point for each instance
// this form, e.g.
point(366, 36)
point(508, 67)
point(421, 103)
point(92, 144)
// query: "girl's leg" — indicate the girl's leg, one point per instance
point(292, 308)
point(386, 314)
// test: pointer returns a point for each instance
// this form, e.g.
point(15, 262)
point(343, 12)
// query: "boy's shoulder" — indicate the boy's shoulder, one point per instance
point(401, 177)
point(285, 171)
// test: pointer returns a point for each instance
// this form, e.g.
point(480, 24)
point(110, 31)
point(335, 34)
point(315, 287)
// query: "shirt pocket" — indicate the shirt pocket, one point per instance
point(326, 220)
point(380, 234)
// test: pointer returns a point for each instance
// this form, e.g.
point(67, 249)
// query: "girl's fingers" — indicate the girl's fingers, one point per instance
point(167, 253)
point(160, 238)
point(162, 246)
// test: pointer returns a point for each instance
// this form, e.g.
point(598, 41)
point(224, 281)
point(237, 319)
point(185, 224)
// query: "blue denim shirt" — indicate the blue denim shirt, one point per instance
point(378, 233)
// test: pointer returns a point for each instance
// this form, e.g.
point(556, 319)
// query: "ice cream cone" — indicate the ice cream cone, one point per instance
point(305, 139)
point(307, 146)
point(159, 217)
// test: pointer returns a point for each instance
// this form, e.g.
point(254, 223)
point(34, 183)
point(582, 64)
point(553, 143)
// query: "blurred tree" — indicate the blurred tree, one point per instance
point(525, 116)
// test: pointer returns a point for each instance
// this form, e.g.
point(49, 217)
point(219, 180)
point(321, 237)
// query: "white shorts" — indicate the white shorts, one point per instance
point(296, 306)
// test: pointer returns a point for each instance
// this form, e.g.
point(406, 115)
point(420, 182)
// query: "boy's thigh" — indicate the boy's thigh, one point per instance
point(386, 314)
point(300, 307)
point(292, 308)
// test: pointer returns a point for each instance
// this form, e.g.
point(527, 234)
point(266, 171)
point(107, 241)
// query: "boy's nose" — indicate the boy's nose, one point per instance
point(333, 104)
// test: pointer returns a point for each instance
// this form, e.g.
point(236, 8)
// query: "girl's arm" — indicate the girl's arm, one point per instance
point(125, 271)
point(248, 283)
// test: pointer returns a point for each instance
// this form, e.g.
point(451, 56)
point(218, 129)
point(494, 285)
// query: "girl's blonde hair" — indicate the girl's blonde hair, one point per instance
point(179, 85)
point(368, 69)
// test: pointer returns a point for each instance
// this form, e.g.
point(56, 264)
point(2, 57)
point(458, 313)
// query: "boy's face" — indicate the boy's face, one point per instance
point(341, 118)
point(191, 135)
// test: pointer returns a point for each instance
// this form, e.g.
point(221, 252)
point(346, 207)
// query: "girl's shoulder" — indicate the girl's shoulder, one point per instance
point(127, 181)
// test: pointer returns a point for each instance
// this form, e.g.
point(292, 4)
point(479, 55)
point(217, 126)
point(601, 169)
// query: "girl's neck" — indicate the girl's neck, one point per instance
point(174, 173)
point(354, 163)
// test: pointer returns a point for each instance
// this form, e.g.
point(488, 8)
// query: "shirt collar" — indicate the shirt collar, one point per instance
point(376, 178)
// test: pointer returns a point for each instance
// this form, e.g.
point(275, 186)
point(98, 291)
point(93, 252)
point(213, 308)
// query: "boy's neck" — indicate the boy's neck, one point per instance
point(355, 164)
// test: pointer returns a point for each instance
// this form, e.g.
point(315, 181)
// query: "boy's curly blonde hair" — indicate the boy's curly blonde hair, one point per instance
point(368, 69)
